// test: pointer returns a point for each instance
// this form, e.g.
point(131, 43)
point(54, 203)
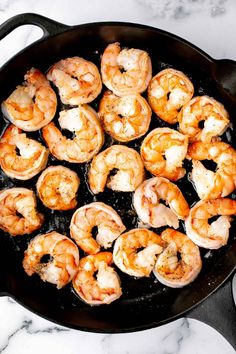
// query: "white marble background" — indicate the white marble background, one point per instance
point(210, 24)
point(22, 332)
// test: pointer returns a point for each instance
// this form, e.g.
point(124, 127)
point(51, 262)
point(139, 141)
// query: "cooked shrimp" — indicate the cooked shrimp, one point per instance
point(171, 271)
point(57, 187)
point(137, 70)
point(130, 170)
point(149, 209)
point(203, 109)
point(209, 184)
point(168, 91)
point(125, 118)
point(102, 288)
point(216, 234)
point(89, 137)
point(15, 201)
point(32, 105)
point(163, 151)
point(78, 80)
point(64, 262)
point(129, 259)
point(105, 218)
point(28, 162)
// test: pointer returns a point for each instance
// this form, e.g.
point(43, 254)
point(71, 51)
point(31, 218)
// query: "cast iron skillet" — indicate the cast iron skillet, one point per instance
point(145, 303)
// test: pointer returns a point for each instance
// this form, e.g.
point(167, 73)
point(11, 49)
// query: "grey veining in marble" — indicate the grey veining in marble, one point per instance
point(27, 333)
point(180, 9)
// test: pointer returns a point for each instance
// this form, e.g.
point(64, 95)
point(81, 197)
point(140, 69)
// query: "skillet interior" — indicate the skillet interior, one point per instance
point(145, 303)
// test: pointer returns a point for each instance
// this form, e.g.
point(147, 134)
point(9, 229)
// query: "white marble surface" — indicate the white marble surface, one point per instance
point(210, 24)
point(26, 333)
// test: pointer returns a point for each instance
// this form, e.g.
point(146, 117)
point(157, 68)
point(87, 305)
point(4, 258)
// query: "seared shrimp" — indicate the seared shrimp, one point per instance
point(32, 105)
point(171, 271)
point(129, 259)
point(102, 288)
point(163, 151)
point(78, 80)
point(130, 170)
point(57, 187)
point(64, 258)
point(203, 109)
point(149, 209)
point(105, 218)
point(137, 70)
point(209, 184)
point(168, 91)
point(89, 137)
point(28, 162)
point(18, 213)
point(216, 234)
point(125, 118)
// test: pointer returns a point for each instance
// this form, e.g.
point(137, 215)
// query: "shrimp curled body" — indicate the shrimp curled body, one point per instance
point(216, 234)
point(105, 218)
point(208, 110)
point(151, 211)
point(124, 118)
point(137, 70)
point(129, 259)
point(65, 258)
point(209, 184)
point(31, 159)
point(89, 137)
point(57, 187)
point(173, 272)
point(163, 151)
point(102, 288)
point(33, 105)
point(78, 80)
point(168, 91)
point(15, 201)
point(130, 170)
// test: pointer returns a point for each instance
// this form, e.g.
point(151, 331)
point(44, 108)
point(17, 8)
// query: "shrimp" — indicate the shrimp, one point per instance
point(130, 170)
point(216, 234)
point(15, 201)
point(124, 118)
point(147, 204)
point(105, 218)
point(209, 184)
point(203, 109)
point(78, 80)
point(163, 151)
point(32, 105)
point(171, 271)
point(129, 259)
point(64, 262)
point(57, 187)
point(21, 157)
point(89, 137)
point(102, 288)
point(137, 70)
point(168, 91)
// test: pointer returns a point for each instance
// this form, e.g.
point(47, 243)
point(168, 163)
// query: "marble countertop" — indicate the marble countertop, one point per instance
point(209, 24)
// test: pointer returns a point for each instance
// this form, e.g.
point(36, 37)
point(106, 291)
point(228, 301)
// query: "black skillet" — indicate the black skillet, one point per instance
point(145, 303)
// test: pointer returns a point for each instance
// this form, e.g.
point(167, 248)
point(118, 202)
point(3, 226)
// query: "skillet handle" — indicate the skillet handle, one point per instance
point(6, 256)
point(4, 284)
point(225, 75)
point(49, 27)
point(219, 312)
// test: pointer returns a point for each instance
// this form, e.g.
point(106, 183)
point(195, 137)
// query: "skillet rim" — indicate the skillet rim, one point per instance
point(68, 28)
point(125, 329)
